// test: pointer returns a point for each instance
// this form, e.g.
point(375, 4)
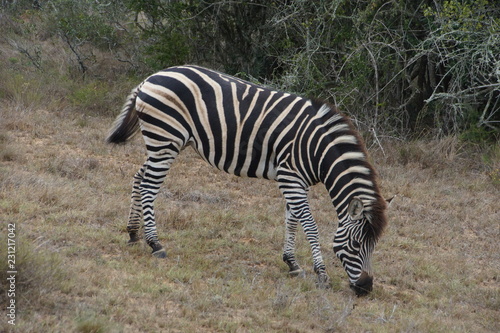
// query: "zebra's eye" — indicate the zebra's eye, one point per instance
point(356, 245)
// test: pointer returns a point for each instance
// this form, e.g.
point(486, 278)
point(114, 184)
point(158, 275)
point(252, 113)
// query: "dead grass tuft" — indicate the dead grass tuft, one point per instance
point(7, 154)
point(73, 167)
point(435, 154)
point(179, 219)
point(39, 268)
point(92, 323)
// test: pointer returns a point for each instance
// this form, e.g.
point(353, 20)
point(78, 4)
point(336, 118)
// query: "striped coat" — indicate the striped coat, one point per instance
point(253, 131)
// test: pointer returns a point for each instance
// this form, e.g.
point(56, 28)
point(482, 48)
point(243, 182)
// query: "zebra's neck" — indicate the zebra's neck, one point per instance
point(342, 164)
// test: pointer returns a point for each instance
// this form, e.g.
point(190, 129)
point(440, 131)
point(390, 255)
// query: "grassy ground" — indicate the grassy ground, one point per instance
point(436, 268)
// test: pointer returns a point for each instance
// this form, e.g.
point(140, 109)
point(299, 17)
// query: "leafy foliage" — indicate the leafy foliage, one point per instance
point(396, 67)
point(464, 42)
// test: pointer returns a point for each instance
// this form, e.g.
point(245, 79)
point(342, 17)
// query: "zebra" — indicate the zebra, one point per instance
point(253, 131)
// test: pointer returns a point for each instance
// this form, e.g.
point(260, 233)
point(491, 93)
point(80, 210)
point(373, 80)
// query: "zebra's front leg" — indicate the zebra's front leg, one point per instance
point(289, 248)
point(296, 197)
point(311, 230)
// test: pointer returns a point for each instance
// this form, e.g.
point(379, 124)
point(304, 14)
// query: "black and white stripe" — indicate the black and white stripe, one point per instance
point(249, 130)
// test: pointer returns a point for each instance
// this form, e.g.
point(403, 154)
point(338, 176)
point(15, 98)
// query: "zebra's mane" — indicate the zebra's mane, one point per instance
point(375, 210)
point(377, 217)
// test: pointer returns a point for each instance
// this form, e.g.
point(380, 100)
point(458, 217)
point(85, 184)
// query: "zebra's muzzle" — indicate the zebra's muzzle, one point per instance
point(364, 285)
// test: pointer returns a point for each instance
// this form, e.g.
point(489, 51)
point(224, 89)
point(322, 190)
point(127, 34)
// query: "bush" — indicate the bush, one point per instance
point(401, 68)
point(463, 46)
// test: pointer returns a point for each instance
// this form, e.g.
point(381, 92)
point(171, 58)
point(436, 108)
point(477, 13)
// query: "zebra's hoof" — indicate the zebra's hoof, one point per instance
point(134, 238)
point(158, 250)
point(133, 242)
point(160, 254)
point(323, 282)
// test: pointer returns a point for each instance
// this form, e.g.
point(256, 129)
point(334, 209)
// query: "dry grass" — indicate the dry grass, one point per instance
point(437, 267)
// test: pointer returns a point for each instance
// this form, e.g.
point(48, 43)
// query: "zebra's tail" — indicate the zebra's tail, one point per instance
point(126, 124)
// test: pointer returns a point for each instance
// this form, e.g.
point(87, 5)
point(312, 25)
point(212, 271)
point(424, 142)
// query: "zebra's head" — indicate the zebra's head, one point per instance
point(357, 234)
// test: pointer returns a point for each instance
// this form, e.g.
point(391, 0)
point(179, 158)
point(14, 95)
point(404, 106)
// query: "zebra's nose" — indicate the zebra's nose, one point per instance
point(364, 285)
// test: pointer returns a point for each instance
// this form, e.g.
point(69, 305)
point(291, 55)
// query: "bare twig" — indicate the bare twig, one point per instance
point(377, 140)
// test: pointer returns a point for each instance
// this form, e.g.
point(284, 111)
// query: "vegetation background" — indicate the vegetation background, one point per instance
point(420, 79)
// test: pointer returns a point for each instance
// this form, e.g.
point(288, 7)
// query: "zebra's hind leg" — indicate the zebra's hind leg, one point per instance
point(289, 248)
point(155, 171)
point(135, 217)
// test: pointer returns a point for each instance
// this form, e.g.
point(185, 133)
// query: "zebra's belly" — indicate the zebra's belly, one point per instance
point(264, 168)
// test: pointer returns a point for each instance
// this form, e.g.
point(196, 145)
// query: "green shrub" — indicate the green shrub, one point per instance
point(90, 98)
point(168, 49)
point(477, 134)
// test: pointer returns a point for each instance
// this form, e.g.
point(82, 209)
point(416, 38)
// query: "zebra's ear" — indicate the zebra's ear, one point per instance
point(356, 208)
